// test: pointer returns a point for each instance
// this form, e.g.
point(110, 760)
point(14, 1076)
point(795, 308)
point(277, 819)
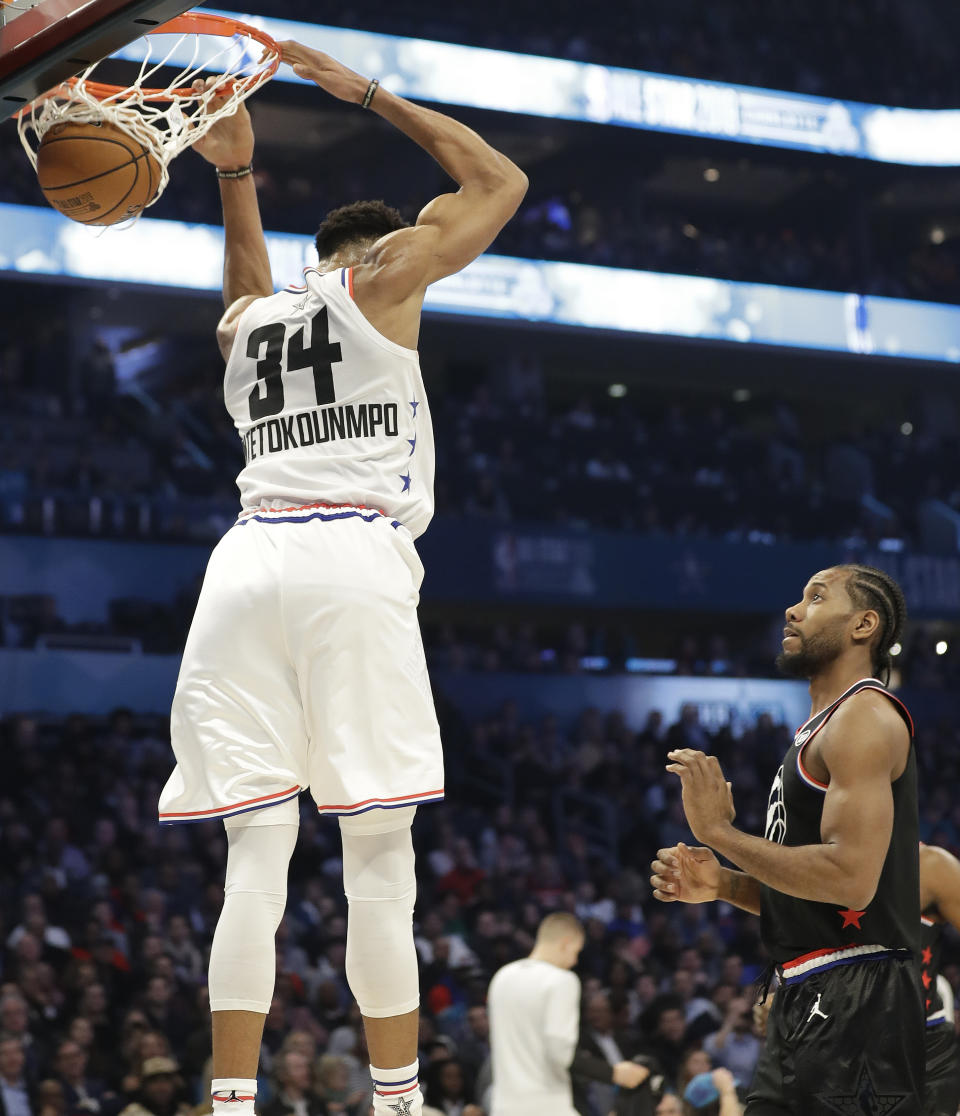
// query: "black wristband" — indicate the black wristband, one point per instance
point(371, 89)
point(241, 173)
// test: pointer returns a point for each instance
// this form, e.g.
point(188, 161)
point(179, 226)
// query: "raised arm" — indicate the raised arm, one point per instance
point(454, 228)
point(940, 883)
point(864, 748)
point(246, 267)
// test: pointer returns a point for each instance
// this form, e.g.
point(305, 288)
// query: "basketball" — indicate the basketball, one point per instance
point(96, 173)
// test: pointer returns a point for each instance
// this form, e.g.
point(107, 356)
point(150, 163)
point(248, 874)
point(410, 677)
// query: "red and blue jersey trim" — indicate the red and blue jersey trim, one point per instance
point(326, 513)
point(856, 688)
point(294, 288)
point(346, 280)
point(216, 812)
point(797, 970)
point(352, 809)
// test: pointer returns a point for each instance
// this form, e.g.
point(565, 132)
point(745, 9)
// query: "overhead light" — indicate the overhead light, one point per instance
point(691, 232)
point(937, 235)
point(741, 395)
point(617, 391)
point(906, 428)
point(941, 648)
point(895, 650)
point(711, 174)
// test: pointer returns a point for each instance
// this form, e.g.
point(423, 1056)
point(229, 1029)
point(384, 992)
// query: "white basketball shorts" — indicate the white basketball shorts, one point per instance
point(304, 667)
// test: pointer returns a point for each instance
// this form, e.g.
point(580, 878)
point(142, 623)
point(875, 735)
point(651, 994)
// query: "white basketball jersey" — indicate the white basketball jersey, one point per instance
point(328, 410)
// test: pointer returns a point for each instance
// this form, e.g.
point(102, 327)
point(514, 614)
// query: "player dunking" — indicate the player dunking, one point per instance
point(304, 665)
point(835, 878)
point(940, 904)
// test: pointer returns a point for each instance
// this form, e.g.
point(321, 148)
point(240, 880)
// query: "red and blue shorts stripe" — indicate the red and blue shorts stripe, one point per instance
point(820, 960)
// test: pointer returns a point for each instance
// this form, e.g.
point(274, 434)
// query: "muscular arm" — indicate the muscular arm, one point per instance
point(246, 266)
point(228, 145)
point(454, 228)
point(864, 748)
point(740, 890)
point(940, 883)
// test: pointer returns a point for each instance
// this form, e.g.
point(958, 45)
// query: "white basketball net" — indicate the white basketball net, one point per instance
point(165, 119)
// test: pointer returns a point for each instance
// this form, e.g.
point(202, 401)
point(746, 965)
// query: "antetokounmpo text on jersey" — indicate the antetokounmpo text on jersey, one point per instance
point(324, 424)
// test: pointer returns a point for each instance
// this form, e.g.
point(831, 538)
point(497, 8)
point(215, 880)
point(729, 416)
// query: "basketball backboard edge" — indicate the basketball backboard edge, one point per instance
point(60, 38)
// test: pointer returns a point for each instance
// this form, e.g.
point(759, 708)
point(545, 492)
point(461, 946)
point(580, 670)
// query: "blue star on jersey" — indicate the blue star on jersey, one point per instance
point(414, 403)
point(413, 445)
point(405, 477)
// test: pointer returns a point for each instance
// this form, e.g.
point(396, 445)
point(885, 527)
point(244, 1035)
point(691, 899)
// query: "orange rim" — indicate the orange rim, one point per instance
point(191, 23)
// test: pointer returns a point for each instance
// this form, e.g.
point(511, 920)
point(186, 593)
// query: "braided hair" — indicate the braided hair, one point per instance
point(871, 588)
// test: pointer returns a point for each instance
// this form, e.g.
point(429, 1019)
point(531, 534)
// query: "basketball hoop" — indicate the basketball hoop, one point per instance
point(168, 119)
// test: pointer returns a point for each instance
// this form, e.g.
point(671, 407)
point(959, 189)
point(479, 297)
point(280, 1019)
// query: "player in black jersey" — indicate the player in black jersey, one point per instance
point(835, 878)
point(940, 904)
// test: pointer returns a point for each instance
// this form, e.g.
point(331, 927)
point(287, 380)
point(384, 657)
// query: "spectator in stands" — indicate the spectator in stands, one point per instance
point(670, 1105)
point(34, 921)
point(15, 1093)
point(160, 1091)
point(15, 1024)
point(50, 1099)
point(712, 1094)
point(293, 1089)
point(600, 1043)
point(668, 1028)
point(734, 1046)
point(82, 1094)
point(335, 1090)
point(447, 1090)
point(474, 1047)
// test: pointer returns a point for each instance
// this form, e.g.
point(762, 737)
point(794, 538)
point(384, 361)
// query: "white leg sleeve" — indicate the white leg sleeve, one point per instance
point(243, 955)
point(381, 887)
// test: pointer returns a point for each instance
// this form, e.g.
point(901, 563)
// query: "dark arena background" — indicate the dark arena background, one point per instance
point(716, 350)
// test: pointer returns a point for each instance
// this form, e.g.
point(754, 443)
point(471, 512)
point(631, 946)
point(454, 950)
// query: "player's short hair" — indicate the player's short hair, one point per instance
point(560, 924)
point(870, 588)
point(355, 223)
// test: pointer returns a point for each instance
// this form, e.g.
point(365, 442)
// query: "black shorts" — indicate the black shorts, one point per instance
point(943, 1071)
point(866, 1056)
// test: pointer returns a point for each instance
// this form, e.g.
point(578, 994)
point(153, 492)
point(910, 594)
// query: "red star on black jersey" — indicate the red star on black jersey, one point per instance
point(926, 980)
point(851, 918)
point(928, 956)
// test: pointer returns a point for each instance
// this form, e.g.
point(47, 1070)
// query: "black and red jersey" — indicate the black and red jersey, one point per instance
point(803, 936)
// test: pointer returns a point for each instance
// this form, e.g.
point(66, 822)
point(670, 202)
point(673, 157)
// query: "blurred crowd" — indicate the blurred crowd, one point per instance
point(812, 244)
point(79, 457)
point(820, 237)
point(880, 51)
point(107, 918)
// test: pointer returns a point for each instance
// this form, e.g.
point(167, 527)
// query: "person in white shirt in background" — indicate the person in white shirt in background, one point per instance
point(534, 1008)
